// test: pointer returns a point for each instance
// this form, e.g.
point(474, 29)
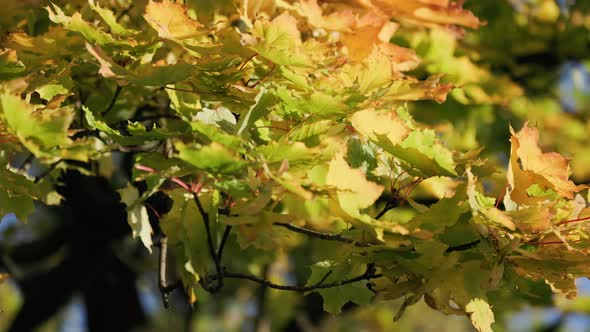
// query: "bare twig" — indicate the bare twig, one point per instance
point(181, 90)
point(320, 235)
point(212, 251)
point(223, 242)
point(463, 247)
point(272, 68)
point(565, 222)
point(247, 60)
point(390, 205)
point(113, 100)
point(368, 275)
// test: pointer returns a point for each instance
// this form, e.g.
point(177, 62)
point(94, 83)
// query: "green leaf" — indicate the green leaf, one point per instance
point(21, 205)
point(17, 194)
point(213, 158)
point(40, 130)
point(186, 232)
point(307, 131)
point(264, 100)
point(215, 134)
point(422, 152)
point(77, 24)
point(137, 216)
point(336, 297)
point(315, 103)
point(145, 75)
point(274, 152)
point(361, 155)
point(109, 18)
point(452, 208)
point(221, 117)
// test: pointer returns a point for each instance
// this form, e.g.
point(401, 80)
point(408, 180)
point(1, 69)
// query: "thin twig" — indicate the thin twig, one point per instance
point(174, 179)
point(463, 247)
point(247, 60)
point(320, 235)
point(223, 242)
point(390, 205)
point(272, 68)
point(113, 100)
point(319, 285)
point(212, 251)
point(181, 90)
point(572, 221)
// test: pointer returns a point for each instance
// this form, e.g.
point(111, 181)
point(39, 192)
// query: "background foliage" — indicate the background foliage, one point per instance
point(369, 154)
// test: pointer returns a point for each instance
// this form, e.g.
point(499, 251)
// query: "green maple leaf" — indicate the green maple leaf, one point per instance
point(110, 19)
point(336, 297)
point(77, 24)
point(213, 158)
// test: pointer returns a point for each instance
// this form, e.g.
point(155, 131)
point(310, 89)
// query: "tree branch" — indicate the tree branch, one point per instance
point(212, 251)
point(368, 275)
point(165, 289)
point(463, 247)
point(320, 235)
point(113, 100)
point(390, 205)
point(222, 244)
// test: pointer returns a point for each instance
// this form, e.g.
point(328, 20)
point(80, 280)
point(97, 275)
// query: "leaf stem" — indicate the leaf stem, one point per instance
point(565, 222)
point(501, 195)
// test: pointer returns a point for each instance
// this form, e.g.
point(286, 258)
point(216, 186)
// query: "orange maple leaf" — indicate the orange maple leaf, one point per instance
point(529, 165)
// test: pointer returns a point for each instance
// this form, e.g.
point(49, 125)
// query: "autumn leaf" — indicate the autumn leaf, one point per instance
point(434, 12)
point(355, 192)
point(378, 125)
point(342, 20)
point(529, 166)
point(171, 20)
point(279, 41)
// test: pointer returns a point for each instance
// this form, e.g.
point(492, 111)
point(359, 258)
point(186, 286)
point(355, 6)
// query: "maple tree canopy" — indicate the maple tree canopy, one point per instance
point(374, 126)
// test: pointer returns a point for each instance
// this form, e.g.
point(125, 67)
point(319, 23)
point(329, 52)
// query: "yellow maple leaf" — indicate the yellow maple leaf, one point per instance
point(355, 192)
point(376, 124)
point(529, 165)
point(341, 20)
point(428, 13)
point(171, 20)
point(279, 40)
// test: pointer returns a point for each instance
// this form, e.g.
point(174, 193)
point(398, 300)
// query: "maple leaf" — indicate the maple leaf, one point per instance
point(355, 191)
point(529, 166)
point(279, 41)
point(171, 20)
point(378, 125)
point(428, 13)
point(342, 20)
point(480, 314)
